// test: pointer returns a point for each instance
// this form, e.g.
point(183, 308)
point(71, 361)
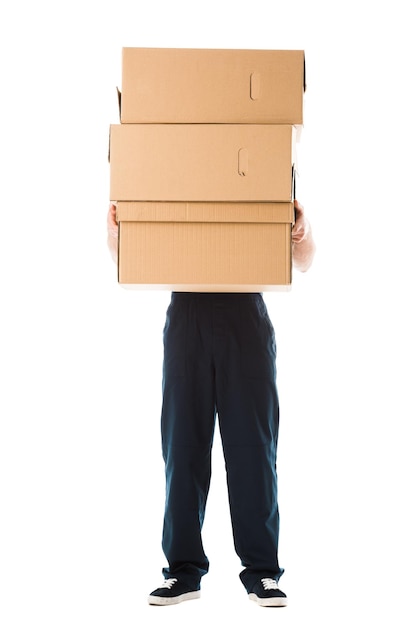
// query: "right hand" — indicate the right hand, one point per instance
point(112, 232)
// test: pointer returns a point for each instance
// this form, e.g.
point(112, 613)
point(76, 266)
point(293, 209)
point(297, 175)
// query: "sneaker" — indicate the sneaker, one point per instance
point(267, 593)
point(172, 591)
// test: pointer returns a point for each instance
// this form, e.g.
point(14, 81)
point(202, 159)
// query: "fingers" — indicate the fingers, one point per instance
point(111, 215)
point(112, 224)
point(299, 210)
point(300, 226)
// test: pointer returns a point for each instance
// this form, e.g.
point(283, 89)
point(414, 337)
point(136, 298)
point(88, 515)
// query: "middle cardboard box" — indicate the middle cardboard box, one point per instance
point(202, 162)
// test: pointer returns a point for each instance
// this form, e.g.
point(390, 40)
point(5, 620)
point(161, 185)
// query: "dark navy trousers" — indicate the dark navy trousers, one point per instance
point(220, 360)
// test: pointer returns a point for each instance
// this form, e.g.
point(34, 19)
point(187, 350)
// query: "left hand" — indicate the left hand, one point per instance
point(303, 245)
point(301, 226)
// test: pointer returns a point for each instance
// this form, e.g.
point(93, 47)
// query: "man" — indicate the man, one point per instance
point(220, 360)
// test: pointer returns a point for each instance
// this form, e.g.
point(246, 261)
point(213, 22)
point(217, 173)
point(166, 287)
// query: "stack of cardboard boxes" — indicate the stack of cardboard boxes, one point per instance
point(202, 167)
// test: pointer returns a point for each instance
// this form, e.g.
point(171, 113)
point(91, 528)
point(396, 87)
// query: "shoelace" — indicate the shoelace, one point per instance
point(168, 583)
point(269, 584)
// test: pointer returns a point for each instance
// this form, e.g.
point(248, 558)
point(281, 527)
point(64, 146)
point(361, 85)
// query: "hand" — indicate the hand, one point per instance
point(301, 226)
point(112, 232)
point(303, 245)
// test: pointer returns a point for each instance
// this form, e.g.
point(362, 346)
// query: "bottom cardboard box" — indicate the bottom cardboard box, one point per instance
point(195, 246)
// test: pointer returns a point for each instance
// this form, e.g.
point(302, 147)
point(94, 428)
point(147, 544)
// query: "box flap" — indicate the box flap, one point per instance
point(119, 97)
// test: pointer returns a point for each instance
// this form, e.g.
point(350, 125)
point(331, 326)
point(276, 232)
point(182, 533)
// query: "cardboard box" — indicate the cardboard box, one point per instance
point(233, 247)
point(202, 162)
point(176, 85)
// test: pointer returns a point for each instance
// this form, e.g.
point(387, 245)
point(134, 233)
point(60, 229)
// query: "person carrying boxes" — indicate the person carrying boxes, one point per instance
point(219, 349)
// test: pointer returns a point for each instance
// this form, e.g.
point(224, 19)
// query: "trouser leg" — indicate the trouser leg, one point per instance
point(187, 427)
point(248, 409)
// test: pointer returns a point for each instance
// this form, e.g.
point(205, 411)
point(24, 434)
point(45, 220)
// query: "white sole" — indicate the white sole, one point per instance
point(267, 601)
point(162, 601)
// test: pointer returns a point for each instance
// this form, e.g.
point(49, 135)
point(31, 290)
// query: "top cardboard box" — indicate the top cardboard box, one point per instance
point(204, 86)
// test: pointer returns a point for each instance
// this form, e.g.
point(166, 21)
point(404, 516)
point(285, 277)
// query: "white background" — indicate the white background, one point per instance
point(82, 483)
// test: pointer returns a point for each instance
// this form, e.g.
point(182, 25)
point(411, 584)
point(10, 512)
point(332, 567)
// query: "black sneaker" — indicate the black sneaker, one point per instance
point(267, 593)
point(172, 591)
